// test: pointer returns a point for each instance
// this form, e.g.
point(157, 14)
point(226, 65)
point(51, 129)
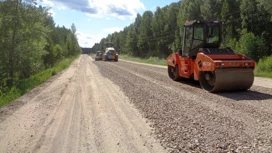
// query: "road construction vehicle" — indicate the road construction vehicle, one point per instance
point(98, 56)
point(110, 54)
point(201, 58)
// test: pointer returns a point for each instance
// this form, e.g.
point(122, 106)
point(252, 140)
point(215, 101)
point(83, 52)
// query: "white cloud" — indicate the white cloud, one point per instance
point(116, 8)
point(108, 10)
point(85, 40)
point(47, 3)
point(88, 40)
point(100, 8)
point(51, 12)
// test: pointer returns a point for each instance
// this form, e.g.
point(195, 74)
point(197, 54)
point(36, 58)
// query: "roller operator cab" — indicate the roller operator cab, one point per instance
point(216, 69)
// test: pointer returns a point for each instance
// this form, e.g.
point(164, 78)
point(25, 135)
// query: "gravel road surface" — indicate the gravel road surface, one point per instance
point(97, 106)
point(188, 119)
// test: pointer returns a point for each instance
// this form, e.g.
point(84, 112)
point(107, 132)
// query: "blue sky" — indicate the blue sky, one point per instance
point(95, 19)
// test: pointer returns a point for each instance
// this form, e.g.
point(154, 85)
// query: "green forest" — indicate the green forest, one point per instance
point(247, 29)
point(30, 42)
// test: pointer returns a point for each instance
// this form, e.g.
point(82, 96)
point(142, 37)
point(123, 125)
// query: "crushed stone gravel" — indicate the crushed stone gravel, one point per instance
point(187, 118)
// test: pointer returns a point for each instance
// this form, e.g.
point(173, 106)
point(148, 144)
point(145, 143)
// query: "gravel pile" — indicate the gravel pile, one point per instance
point(185, 118)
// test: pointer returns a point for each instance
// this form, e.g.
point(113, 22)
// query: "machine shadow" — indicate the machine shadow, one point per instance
point(246, 95)
point(190, 82)
point(234, 95)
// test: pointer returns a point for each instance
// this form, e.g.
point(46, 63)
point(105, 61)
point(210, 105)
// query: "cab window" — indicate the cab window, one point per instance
point(188, 40)
point(213, 34)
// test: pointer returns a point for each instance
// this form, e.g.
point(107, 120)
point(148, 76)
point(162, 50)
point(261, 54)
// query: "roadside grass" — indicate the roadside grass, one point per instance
point(25, 85)
point(263, 74)
point(155, 60)
point(264, 67)
point(150, 60)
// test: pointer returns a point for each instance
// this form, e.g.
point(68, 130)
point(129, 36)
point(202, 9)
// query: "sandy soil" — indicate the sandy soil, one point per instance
point(263, 82)
point(77, 110)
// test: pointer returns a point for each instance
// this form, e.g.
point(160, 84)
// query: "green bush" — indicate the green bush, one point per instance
point(53, 72)
point(25, 85)
point(252, 46)
point(265, 64)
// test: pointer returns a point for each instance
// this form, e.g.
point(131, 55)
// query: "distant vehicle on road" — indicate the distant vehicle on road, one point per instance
point(110, 54)
point(98, 56)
